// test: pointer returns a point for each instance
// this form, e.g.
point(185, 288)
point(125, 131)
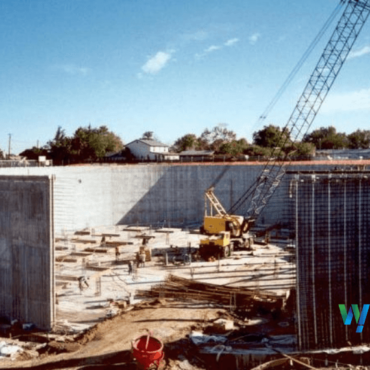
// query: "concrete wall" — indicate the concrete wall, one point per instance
point(26, 249)
point(154, 194)
point(333, 257)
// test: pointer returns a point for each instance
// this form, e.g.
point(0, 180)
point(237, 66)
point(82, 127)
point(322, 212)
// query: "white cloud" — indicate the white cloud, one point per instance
point(231, 42)
point(348, 102)
point(254, 38)
point(157, 62)
point(72, 69)
point(212, 48)
point(359, 53)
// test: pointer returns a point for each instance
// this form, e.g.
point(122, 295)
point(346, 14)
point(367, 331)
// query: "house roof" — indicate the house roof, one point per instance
point(197, 152)
point(149, 143)
point(114, 154)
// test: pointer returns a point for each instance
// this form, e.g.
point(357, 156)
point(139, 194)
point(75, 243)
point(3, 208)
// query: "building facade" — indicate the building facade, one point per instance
point(151, 150)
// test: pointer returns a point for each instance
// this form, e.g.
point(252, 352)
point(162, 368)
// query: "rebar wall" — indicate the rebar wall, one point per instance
point(333, 256)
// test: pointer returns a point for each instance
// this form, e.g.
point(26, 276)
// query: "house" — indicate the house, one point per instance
point(151, 150)
point(197, 155)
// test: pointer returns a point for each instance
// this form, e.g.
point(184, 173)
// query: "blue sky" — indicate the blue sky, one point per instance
point(168, 66)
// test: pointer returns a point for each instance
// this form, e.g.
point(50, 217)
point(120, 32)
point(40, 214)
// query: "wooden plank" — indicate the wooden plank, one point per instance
point(82, 232)
point(299, 362)
point(97, 250)
point(80, 254)
point(84, 241)
point(118, 243)
point(66, 278)
point(65, 259)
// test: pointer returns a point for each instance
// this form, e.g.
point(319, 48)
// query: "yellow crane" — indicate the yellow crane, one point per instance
point(225, 231)
point(225, 228)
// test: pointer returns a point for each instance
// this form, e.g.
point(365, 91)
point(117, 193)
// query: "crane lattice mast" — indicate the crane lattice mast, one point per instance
point(326, 71)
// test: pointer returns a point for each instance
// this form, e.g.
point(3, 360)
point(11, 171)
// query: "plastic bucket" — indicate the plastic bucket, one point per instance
point(148, 351)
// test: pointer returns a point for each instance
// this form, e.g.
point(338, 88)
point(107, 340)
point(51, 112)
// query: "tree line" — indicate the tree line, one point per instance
point(89, 144)
point(272, 137)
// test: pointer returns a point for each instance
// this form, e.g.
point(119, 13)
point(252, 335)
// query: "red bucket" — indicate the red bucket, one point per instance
point(148, 351)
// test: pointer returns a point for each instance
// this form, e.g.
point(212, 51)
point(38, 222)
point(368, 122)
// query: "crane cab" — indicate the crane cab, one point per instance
point(216, 224)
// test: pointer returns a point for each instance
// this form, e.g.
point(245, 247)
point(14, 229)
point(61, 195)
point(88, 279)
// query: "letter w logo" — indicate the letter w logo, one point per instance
point(354, 311)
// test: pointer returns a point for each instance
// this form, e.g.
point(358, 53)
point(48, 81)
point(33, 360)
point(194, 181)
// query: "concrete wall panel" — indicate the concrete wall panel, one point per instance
point(26, 249)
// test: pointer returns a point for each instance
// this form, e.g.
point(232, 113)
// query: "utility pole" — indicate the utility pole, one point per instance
point(9, 146)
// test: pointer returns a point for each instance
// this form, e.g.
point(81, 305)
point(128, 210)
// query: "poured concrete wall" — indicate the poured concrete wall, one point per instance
point(154, 194)
point(26, 250)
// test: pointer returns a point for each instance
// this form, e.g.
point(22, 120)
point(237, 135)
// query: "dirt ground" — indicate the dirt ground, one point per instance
point(108, 344)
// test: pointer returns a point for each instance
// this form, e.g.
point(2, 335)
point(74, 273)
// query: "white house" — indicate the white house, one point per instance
point(151, 150)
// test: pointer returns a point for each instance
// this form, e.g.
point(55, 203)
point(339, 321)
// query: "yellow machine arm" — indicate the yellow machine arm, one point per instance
point(215, 204)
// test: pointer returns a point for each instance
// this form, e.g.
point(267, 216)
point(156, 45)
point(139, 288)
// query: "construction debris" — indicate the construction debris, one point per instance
point(190, 290)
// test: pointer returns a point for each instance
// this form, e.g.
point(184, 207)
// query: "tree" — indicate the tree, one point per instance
point(186, 142)
point(148, 135)
point(213, 139)
point(60, 147)
point(300, 150)
point(34, 153)
point(93, 143)
point(327, 138)
point(87, 144)
point(258, 151)
point(360, 139)
point(234, 148)
point(271, 137)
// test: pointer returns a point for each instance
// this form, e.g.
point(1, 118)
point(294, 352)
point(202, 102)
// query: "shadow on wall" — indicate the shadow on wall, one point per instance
point(177, 197)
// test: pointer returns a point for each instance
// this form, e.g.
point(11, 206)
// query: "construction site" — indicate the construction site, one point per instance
point(243, 265)
point(70, 235)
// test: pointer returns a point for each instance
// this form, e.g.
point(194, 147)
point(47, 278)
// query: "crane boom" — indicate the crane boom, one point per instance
point(322, 79)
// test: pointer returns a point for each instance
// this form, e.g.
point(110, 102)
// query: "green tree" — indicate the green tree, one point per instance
point(300, 150)
point(213, 139)
point(87, 144)
point(360, 139)
point(186, 142)
point(327, 138)
point(234, 147)
point(148, 135)
point(258, 151)
point(60, 147)
point(271, 136)
point(93, 143)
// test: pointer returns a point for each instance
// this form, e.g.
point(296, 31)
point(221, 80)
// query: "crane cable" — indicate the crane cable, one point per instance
point(281, 91)
point(297, 67)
